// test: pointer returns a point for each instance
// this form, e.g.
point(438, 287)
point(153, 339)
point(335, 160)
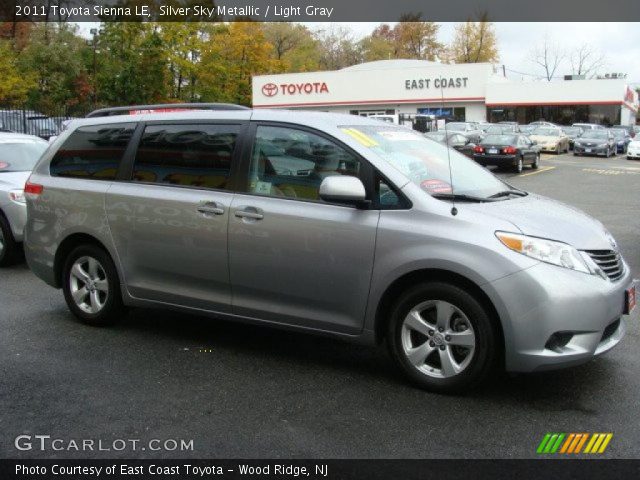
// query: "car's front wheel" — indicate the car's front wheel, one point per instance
point(536, 162)
point(442, 337)
point(91, 286)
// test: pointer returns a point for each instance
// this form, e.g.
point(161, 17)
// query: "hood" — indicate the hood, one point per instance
point(13, 180)
point(546, 218)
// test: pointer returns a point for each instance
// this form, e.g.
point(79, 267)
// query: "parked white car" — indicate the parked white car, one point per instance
point(633, 150)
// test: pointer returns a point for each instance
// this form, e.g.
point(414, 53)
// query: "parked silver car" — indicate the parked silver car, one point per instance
point(18, 155)
point(326, 223)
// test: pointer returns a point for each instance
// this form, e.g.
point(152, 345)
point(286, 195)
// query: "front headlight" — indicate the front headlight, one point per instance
point(17, 196)
point(603, 145)
point(549, 251)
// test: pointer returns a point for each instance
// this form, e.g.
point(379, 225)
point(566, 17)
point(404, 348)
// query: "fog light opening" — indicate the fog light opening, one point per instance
point(558, 341)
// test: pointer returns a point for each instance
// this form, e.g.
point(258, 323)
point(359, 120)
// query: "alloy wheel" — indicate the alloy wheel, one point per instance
point(2, 246)
point(88, 284)
point(438, 339)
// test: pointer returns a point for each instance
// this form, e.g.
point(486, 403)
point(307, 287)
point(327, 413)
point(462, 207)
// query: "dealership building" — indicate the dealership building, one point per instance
point(471, 92)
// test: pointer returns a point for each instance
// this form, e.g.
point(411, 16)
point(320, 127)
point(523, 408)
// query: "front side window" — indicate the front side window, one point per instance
point(187, 155)
point(426, 163)
point(292, 163)
point(92, 152)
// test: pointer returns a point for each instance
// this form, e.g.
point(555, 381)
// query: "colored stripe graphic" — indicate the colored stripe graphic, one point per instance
point(573, 443)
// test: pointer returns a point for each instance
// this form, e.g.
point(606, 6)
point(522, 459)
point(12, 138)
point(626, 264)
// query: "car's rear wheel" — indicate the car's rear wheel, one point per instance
point(536, 162)
point(442, 338)
point(91, 286)
point(9, 248)
point(519, 165)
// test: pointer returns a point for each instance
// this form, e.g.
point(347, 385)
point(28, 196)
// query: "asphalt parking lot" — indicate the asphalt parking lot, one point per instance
point(251, 392)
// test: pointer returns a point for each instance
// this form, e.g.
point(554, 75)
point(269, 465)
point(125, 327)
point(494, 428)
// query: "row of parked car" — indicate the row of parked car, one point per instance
point(508, 144)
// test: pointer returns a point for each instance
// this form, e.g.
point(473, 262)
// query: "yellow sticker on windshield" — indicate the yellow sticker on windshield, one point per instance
point(360, 137)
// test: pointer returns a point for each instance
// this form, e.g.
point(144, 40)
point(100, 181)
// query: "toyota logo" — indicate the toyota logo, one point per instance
point(269, 89)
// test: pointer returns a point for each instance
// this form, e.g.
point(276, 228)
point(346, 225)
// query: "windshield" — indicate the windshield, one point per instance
point(499, 140)
point(546, 132)
point(20, 157)
point(573, 130)
point(500, 129)
point(597, 134)
point(456, 126)
point(619, 134)
point(426, 163)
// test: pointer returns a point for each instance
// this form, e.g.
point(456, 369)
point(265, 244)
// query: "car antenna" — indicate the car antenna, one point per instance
point(454, 210)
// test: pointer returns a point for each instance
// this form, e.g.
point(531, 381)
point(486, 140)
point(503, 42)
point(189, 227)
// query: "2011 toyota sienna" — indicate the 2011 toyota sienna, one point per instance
point(326, 223)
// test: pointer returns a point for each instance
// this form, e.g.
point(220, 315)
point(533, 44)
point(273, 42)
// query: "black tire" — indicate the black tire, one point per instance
point(519, 165)
point(9, 248)
point(536, 162)
point(486, 351)
point(112, 309)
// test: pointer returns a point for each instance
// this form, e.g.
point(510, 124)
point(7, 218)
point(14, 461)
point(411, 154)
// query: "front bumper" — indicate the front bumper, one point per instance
point(16, 213)
point(544, 303)
point(592, 150)
point(633, 153)
point(548, 148)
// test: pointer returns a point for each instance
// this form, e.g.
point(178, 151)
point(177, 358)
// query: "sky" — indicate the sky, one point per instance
point(619, 42)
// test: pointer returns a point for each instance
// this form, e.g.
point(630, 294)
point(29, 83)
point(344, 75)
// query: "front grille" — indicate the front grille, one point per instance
point(609, 261)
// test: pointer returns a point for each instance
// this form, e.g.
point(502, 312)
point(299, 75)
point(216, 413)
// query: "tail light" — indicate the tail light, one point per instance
point(33, 188)
point(478, 149)
point(509, 150)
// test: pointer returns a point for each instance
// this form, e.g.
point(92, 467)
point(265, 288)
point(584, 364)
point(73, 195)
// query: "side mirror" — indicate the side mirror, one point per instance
point(343, 189)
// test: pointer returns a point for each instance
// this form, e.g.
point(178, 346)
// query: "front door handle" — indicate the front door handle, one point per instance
point(210, 208)
point(249, 213)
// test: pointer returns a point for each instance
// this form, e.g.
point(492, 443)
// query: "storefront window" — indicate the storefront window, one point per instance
point(560, 114)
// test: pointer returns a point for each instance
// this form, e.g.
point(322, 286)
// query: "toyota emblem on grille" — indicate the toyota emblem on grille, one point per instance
point(269, 89)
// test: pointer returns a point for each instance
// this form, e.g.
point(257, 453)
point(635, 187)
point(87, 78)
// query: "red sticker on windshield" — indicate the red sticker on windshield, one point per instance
point(436, 186)
point(3, 165)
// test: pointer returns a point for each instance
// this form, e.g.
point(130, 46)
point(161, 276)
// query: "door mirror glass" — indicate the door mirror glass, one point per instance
point(342, 189)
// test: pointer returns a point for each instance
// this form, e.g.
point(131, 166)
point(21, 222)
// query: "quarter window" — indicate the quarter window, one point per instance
point(291, 163)
point(92, 152)
point(188, 155)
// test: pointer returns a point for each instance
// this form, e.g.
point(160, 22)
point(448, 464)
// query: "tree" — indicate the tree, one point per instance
point(53, 57)
point(337, 48)
point(293, 45)
point(409, 38)
point(586, 60)
point(231, 56)
point(474, 42)
point(14, 84)
point(547, 56)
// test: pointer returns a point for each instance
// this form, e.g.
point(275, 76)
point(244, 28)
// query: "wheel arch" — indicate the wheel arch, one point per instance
point(394, 290)
point(66, 246)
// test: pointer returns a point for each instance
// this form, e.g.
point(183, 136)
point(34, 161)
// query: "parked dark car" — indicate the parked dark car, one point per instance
point(507, 150)
point(572, 133)
point(595, 142)
point(631, 130)
point(469, 129)
point(455, 140)
point(622, 139)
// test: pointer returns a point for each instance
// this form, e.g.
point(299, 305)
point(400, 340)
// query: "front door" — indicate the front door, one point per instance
point(293, 258)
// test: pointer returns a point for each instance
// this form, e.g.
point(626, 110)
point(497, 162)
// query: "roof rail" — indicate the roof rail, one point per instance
point(163, 107)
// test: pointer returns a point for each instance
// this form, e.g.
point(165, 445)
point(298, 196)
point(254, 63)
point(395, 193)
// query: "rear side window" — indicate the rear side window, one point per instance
point(187, 155)
point(92, 152)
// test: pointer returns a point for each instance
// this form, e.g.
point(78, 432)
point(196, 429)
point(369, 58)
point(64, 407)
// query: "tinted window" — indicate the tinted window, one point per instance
point(189, 155)
point(92, 152)
point(292, 163)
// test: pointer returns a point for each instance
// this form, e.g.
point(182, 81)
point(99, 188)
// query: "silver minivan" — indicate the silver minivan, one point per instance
point(326, 223)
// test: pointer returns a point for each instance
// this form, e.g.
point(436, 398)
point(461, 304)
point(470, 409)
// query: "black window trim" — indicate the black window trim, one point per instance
point(125, 174)
point(368, 174)
point(120, 162)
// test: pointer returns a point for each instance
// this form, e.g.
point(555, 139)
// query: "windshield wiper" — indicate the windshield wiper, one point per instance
point(461, 197)
point(506, 193)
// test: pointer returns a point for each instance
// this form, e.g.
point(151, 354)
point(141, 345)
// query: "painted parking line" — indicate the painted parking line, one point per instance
point(540, 170)
point(610, 171)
